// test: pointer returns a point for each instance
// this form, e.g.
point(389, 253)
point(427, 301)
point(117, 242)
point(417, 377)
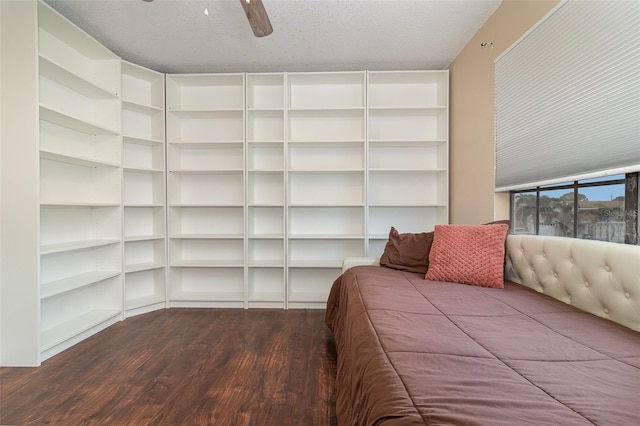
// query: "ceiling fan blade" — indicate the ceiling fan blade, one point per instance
point(257, 16)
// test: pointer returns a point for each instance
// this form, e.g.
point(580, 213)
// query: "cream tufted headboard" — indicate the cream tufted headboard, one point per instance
point(598, 277)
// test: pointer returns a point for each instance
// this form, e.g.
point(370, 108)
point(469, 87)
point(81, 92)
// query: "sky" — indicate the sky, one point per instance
point(594, 193)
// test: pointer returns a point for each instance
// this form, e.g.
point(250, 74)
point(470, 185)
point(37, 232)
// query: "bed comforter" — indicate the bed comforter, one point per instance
point(412, 351)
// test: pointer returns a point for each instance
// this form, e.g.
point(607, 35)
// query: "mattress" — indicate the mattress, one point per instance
point(412, 351)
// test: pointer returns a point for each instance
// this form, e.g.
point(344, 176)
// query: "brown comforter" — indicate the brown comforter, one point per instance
point(412, 351)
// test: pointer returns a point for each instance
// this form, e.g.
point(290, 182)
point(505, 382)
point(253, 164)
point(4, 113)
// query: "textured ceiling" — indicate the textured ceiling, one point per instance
point(175, 36)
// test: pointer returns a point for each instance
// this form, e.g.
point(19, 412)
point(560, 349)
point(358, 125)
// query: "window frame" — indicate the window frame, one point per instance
point(631, 197)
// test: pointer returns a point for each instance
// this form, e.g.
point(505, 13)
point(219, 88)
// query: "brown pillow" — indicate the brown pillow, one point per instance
point(407, 252)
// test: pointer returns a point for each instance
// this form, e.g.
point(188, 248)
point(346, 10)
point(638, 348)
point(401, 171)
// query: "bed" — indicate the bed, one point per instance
point(416, 351)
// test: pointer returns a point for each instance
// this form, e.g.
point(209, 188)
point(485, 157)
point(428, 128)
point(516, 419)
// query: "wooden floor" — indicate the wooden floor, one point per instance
point(184, 367)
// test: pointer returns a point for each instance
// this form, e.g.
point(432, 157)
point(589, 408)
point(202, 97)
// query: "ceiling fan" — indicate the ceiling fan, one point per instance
point(257, 16)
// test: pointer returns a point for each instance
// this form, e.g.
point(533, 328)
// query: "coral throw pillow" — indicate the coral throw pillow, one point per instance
point(468, 254)
point(407, 252)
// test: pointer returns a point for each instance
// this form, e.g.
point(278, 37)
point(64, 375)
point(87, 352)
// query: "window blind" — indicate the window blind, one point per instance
point(568, 96)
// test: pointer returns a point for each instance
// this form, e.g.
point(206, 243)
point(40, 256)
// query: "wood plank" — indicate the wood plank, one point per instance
point(185, 366)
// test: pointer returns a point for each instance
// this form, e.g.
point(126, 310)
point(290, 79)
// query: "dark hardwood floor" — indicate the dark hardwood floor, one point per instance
point(184, 367)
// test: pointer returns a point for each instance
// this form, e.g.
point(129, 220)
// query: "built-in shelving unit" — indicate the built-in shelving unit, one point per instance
point(265, 195)
point(206, 196)
point(141, 190)
point(143, 194)
point(80, 184)
point(326, 118)
point(407, 158)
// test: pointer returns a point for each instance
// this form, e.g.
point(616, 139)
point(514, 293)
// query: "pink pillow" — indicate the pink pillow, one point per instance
point(468, 254)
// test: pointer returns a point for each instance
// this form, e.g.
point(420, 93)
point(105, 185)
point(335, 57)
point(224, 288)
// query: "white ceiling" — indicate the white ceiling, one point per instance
point(175, 36)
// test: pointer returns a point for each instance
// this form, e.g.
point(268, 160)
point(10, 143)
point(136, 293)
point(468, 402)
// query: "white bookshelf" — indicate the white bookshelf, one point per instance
point(141, 190)
point(80, 184)
point(206, 189)
point(407, 153)
point(265, 190)
point(143, 193)
point(326, 180)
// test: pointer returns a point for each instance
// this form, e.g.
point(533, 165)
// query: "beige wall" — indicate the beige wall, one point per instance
point(472, 150)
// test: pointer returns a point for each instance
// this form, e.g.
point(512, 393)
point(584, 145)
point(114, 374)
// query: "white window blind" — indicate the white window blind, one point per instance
point(568, 96)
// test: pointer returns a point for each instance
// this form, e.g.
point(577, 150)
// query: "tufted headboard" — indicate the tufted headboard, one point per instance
point(598, 277)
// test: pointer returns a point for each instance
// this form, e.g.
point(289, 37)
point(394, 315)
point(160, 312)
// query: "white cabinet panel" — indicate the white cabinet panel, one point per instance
point(265, 91)
point(326, 222)
point(206, 189)
point(205, 92)
point(265, 126)
point(205, 126)
point(326, 90)
point(265, 222)
point(206, 221)
point(326, 125)
point(408, 89)
point(417, 188)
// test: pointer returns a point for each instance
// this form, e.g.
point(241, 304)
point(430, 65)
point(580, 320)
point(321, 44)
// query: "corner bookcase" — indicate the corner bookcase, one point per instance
point(80, 184)
point(143, 194)
point(141, 190)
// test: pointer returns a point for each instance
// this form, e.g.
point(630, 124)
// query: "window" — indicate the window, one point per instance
point(603, 209)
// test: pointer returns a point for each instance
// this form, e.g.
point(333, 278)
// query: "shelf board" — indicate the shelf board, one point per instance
point(408, 108)
point(207, 172)
point(75, 245)
point(325, 205)
point(263, 296)
point(207, 144)
point(204, 112)
point(266, 264)
point(266, 171)
point(276, 143)
point(46, 154)
point(139, 267)
point(208, 296)
point(431, 205)
point(378, 236)
point(141, 141)
point(315, 263)
point(327, 109)
point(54, 288)
point(326, 236)
point(396, 143)
point(324, 142)
point(207, 236)
point(407, 171)
point(141, 302)
point(141, 108)
point(78, 325)
point(266, 237)
point(143, 205)
point(135, 238)
point(252, 109)
point(265, 204)
point(60, 118)
point(205, 263)
point(307, 297)
point(204, 205)
point(51, 70)
point(78, 204)
point(142, 170)
point(326, 171)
